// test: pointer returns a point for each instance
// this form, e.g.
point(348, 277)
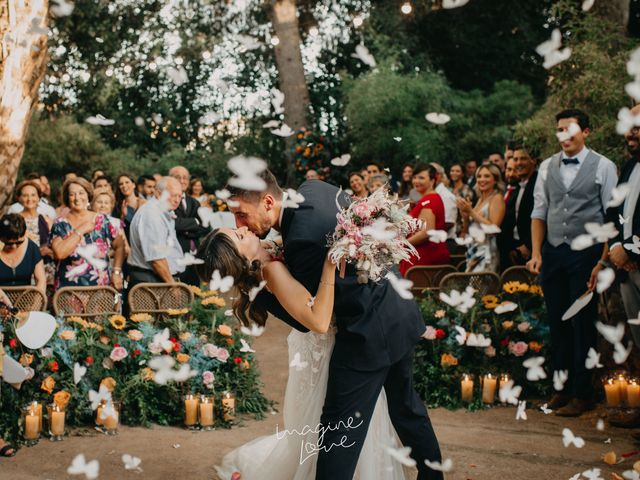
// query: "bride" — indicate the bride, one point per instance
point(291, 452)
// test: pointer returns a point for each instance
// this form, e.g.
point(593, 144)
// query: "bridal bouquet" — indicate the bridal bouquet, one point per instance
point(372, 234)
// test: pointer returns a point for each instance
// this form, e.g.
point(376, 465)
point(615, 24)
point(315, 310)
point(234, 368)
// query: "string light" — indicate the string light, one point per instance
point(358, 21)
point(406, 8)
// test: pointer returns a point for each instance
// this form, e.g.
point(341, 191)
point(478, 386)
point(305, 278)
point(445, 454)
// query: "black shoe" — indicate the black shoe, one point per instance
point(574, 408)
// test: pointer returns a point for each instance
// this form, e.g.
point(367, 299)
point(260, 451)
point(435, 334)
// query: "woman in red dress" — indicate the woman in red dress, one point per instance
point(430, 210)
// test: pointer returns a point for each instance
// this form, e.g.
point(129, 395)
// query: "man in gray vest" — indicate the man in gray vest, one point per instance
point(572, 188)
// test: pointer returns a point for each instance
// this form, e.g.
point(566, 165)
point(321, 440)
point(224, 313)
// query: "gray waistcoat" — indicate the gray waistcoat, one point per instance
point(570, 209)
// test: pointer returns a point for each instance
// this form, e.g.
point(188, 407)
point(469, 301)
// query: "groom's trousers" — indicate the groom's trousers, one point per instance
point(349, 404)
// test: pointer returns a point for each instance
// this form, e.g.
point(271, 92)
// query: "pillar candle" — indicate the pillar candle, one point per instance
point(229, 406)
point(190, 410)
point(206, 414)
point(57, 423)
point(612, 391)
point(621, 380)
point(31, 424)
point(111, 422)
point(466, 388)
point(99, 419)
point(489, 389)
point(36, 408)
point(633, 394)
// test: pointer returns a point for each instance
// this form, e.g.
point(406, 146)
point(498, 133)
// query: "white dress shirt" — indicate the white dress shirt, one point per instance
point(631, 201)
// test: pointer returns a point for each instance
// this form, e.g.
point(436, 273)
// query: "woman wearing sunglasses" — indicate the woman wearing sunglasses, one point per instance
point(20, 260)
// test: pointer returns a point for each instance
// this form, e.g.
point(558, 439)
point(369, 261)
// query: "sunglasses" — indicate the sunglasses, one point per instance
point(13, 244)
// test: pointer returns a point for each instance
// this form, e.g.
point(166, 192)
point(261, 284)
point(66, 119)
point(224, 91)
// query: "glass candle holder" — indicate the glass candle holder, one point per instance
point(612, 392)
point(111, 417)
point(503, 379)
point(56, 415)
point(205, 412)
point(633, 393)
point(99, 419)
point(622, 381)
point(466, 388)
point(30, 425)
point(190, 410)
point(489, 383)
point(37, 409)
point(228, 406)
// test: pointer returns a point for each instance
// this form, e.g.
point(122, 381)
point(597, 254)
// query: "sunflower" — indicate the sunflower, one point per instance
point(490, 301)
point(140, 317)
point(78, 321)
point(118, 321)
point(214, 301)
point(175, 312)
point(510, 287)
point(536, 290)
point(196, 290)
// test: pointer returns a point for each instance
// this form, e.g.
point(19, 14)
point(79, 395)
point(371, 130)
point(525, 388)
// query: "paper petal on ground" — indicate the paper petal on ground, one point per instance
point(568, 438)
point(559, 379)
point(593, 474)
point(593, 359)
point(631, 475)
point(341, 161)
point(80, 466)
point(402, 455)
point(245, 346)
point(521, 413)
point(256, 290)
point(445, 466)
point(578, 305)
point(605, 279)
point(437, 118)
point(545, 410)
point(131, 462)
point(401, 285)
point(509, 392)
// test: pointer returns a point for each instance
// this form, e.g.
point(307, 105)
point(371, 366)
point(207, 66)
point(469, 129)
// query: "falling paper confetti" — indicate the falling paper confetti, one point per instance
point(341, 161)
point(247, 171)
point(438, 118)
point(79, 466)
point(400, 285)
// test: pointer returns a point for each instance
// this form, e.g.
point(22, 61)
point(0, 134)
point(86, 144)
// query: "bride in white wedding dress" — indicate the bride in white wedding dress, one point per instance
point(291, 452)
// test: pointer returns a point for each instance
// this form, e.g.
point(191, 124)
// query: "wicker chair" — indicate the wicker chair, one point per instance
point(456, 258)
point(520, 274)
point(156, 298)
point(484, 283)
point(427, 277)
point(27, 298)
point(462, 266)
point(91, 302)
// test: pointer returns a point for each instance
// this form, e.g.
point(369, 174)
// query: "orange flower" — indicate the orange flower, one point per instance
point(225, 330)
point(48, 384)
point(26, 359)
point(230, 341)
point(109, 383)
point(246, 365)
point(507, 324)
point(140, 317)
point(535, 346)
point(185, 336)
point(175, 312)
point(61, 398)
point(448, 360)
point(182, 358)
point(147, 374)
point(215, 301)
point(104, 339)
point(67, 335)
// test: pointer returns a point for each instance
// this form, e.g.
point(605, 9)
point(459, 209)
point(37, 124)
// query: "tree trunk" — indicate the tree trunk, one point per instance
point(23, 62)
point(290, 71)
point(616, 11)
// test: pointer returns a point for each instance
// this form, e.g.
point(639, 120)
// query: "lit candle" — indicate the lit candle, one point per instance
point(466, 388)
point(228, 406)
point(612, 391)
point(31, 424)
point(622, 384)
point(36, 408)
point(633, 394)
point(111, 422)
point(489, 389)
point(190, 410)
point(99, 419)
point(56, 422)
point(206, 411)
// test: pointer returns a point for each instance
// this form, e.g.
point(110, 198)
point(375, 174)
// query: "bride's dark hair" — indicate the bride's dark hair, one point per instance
point(220, 253)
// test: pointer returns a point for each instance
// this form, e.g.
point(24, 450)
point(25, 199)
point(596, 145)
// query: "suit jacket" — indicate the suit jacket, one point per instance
point(524, 212)
point(375, 326)
point(614, 213)
point(188, 225)
point(505, 237)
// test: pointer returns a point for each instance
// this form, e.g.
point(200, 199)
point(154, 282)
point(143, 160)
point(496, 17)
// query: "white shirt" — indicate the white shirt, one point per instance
point(606, 177)
point(630, 203)
point(450, 207)
point(43, 209)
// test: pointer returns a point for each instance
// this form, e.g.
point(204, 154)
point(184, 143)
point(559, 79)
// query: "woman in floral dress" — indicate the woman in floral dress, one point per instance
point(81, 241)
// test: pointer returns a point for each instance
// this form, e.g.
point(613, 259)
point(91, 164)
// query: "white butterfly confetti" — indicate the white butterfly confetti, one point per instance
point(402, 455)
point(277, 99)
point(131, 462)
point(248, 42)
point(223, 194)
point(245, 346)
point(362, 53)
point(551, 52)
point(461, 301)
point(100, 121)
point(593, 359)
point(401, 285)
point(219, 283)
point(189, 259)
point(36, 28)
point(631, 475)
point(634, 321)
point(445, 466)
point(253, 293)
point(620, 354)
point(61, 8)
point(380, 230)
point(592, 474)
point(284, 131)
point(534, 368)
point(397, 139)
point(79, 371)
point(293, 199)
point(505, 307)
point(311, 302)
point(246, 170)
point(448, 4)
point(587, 4)
point(623, 220)
point(478, 340)
point(80, 466)
point(611, 334)
point(635, 246)
point(618, 194)
point(572, 130)
point(545, 410)
point(271, 124)
point(559, 379)
point(568, 438)
point(605, 279)
point(95, 398)
point(490, 228)
point(178, 75)
point(509, 393)
point(255, 330)
point(437, 236)
point(578, 305)
point(297, 363)
point(438, 118)
point(521, 413)
point(626, 121)
point(461, 338)
point(600, 424)
point(341, 161)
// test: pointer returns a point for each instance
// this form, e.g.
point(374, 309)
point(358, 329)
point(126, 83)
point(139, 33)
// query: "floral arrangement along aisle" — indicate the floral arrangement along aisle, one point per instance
point(116, 352)
point(490, 335)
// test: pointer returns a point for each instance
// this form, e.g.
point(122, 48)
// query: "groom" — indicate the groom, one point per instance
point(377, 331)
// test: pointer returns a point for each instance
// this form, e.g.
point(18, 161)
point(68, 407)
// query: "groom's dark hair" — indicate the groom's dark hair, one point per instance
point(251, 195)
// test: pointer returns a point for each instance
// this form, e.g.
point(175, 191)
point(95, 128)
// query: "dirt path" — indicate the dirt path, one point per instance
point(485, 445)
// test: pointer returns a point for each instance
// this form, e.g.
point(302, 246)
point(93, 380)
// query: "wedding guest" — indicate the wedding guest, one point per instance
point(102, 182)
point(104, 201)
point(508, 151)
point(364, 173)
point(187, 223)
point(82, 228)
point(430, 210)
point(505, 237)
point(196, 191)
point(377, 181)
point(311, 175)
point(405, 185)
point(357, 185)
point(374, 168)
point(448, 199)
point(458, 187)
point(470, 168)
point(155, 250)
point(43, 207)
point(483, 256)
point(498, 160)
point(97, 173)
point(510, 177)
point(20, 260)
point(127, 201)
point(157, 176)
point(572, 189)
point(146, 186)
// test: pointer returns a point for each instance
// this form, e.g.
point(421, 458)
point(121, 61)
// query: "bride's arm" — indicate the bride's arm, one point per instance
point(296, 299)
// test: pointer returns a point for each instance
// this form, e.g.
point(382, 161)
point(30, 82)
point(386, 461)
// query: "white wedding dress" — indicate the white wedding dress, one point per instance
point(286, 455)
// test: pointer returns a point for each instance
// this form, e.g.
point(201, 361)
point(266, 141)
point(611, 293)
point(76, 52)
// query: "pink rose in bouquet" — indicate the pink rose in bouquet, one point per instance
point(518, 349)
point(223, 354)
point(118, 354)
point(208, 378)
point(430, 333)
point(210, 350)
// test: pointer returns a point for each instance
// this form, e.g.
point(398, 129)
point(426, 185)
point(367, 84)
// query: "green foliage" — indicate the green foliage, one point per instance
point(386, 104)
point(593, 79)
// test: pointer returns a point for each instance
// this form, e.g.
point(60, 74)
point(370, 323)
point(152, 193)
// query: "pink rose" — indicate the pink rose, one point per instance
point(118, 353)
point(429, 333)
point(155, 348)
point(30, 373)
point(210, 350)
point(490, 351)
point(208, 378)
point(518, 349)
point(362, 210)
point(524, 327)
point(222, 355)
point(135, 335)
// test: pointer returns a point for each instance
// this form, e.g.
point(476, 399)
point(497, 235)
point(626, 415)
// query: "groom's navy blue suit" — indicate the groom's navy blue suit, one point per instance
point(377, 332)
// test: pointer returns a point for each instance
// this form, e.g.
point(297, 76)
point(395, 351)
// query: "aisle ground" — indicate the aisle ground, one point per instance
point(485, 445)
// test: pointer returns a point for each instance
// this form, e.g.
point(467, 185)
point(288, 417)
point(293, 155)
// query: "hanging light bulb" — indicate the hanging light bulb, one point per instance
point(406, 8)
